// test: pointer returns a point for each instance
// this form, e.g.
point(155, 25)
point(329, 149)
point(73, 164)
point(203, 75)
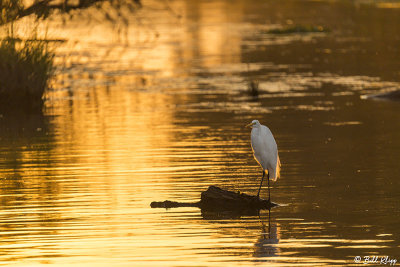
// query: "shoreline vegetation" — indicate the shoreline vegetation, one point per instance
point(26, 68)
point(26, 64)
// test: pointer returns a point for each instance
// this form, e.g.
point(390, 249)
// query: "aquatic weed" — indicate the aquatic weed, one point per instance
point(26, 68)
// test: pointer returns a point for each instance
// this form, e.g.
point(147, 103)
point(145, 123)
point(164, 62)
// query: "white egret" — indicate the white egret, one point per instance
point(265, 152)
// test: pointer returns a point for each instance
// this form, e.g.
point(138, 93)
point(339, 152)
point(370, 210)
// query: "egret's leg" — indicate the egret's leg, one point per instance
point(258, 194)
point(269, 193)
point(269, 223)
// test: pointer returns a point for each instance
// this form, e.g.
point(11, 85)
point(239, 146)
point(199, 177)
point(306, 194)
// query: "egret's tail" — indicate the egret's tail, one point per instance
point(277, 171)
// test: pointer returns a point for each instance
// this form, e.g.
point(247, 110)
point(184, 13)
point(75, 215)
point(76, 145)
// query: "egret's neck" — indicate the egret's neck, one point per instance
point(255, 129)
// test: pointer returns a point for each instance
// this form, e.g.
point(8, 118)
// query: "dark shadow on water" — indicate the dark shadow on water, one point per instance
point(19, 125)
point(26, 180)
point(24, 139)
point(228, 214)
point(266, 243)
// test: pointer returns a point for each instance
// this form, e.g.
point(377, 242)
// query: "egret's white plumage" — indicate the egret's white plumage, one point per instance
point(265, 150)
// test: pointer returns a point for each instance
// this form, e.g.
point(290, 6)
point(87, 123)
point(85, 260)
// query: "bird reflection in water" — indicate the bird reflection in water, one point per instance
point(266, 243)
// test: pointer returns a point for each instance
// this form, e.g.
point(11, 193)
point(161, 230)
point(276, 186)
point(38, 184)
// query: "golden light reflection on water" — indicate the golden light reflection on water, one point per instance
point(162, 118)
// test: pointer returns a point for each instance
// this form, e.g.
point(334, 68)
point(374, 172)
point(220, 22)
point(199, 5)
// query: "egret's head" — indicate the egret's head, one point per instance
point(254, 123)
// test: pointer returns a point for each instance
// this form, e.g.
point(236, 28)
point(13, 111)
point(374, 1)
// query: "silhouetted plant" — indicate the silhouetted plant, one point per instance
point(25, 72)
point(26, 66)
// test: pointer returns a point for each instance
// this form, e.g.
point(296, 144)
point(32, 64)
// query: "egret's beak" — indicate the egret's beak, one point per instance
point(249, 125)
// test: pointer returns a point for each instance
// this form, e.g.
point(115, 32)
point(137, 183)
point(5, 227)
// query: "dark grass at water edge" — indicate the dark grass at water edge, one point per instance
point(26, 68)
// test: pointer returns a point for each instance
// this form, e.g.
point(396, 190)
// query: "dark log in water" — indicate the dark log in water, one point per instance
point(392, 95)
point(217, 199)
point(173, 204)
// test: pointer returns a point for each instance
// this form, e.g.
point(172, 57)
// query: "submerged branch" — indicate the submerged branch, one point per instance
point(173, 204)
point(217, 199)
